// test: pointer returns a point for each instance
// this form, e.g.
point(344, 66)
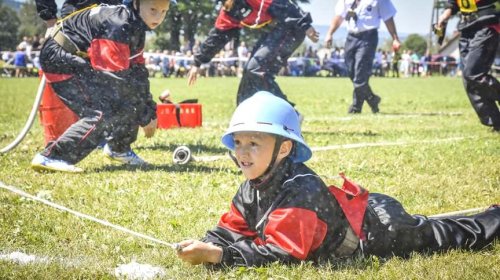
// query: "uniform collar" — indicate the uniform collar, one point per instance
point(274, 179)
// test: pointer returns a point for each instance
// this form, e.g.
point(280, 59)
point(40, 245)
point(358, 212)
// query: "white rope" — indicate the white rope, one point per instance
point(459, 213)
point(88, 217)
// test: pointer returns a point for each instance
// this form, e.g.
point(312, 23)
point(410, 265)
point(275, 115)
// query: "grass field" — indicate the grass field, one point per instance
point(450, 162)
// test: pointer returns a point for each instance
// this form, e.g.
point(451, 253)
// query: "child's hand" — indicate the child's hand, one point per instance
point(192, 75)
point(312, 34)
point(150, 128)
point(197, 252)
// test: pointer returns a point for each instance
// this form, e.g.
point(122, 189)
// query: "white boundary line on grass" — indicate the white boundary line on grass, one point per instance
point(25, 259)
point(361, 117)
point(132, 270)
point(383, 144)
point(353, 146)
point(22, 258)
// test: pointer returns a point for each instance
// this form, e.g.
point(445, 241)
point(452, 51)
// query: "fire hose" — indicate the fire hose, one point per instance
point(182, 155)
point(30, 120)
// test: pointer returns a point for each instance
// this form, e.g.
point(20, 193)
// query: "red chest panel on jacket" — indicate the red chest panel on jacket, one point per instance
point(253, 15)
point(353, 200)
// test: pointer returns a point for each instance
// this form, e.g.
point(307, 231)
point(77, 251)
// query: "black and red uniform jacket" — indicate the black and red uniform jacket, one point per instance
point(252, 14)
point(290, 218)
point(486, 10)
point(47, 9)
point(113, 37)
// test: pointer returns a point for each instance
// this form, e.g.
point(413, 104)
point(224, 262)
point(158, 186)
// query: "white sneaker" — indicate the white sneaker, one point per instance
point(43, 163)
point(128, 157)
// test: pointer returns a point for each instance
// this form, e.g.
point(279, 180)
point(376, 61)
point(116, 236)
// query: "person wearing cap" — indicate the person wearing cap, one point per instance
point(94, 63)
point(479, 27)
point(282, 26)
point(284, 212)
point(363, 18)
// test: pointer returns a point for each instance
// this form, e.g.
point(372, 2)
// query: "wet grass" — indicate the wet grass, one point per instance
point(173, 202)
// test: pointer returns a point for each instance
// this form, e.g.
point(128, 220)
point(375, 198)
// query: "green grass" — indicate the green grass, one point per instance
point(173, 203)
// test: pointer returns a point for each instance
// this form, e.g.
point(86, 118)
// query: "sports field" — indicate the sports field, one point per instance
point(426, 148)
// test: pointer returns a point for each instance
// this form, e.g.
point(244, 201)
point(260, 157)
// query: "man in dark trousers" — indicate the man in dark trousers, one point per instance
point(479, 27)
point(363, 18)
point(283, 26)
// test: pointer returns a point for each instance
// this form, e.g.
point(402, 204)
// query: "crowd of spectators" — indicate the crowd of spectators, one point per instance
point(409, 63)
point(228, 62)
point(24, 61)
point(329, 63)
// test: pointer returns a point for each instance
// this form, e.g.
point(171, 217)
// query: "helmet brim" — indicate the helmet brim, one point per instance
point(302, 151)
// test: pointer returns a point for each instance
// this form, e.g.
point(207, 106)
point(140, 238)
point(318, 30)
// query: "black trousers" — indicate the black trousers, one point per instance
point(477, 51)
point(391, 231)
point(359, 54)
point(270, 53)
point(104, 115)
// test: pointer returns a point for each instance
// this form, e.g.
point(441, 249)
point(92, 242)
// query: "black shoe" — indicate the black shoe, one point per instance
point(353, 110)
point(373, 101)
point(495, 129)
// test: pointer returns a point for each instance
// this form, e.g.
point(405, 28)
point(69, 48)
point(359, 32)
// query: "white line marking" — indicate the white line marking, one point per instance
point(132, 270)
point(360, 117)
point(349, 146)
point(22, 258)
point(382, 144)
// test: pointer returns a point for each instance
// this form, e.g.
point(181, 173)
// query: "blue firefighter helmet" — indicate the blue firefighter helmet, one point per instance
point(265, 112)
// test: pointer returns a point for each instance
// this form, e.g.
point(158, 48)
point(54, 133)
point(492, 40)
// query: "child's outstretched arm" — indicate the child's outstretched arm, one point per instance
point(291, 235)
point(217, 38)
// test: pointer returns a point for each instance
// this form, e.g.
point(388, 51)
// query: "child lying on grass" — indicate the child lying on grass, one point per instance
point(284, 212)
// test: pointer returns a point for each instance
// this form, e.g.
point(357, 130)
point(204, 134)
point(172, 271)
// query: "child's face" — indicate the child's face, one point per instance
point(254, 151)
point(153, 12)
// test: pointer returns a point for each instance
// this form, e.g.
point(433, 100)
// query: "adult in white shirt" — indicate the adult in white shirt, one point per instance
point(242, 57)
point(363, 20)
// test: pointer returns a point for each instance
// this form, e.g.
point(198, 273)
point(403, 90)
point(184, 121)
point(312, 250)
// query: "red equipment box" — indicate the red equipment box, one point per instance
point(178, 115)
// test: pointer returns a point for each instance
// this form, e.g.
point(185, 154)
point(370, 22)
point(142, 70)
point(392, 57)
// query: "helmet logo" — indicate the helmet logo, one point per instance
point(287, 128)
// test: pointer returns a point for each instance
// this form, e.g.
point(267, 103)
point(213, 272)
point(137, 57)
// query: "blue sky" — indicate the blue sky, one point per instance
point(414, 16)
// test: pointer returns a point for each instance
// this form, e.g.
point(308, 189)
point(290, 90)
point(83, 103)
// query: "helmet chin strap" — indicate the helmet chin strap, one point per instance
point(267, 174)
point(137, 5)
